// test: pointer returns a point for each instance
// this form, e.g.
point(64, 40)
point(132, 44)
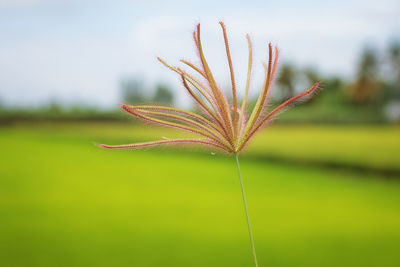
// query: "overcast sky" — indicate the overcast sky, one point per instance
point(74, 51)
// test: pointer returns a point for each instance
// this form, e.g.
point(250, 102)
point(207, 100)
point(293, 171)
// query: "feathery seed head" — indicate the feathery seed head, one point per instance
point(222, 125)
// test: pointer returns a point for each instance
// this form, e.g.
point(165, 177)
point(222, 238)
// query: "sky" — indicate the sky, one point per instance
point(76, 52)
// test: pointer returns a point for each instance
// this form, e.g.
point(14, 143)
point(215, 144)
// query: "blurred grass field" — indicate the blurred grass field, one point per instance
point(65, 202)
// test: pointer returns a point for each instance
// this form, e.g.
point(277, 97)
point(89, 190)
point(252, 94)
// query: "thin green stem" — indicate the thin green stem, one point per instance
point(246, 211)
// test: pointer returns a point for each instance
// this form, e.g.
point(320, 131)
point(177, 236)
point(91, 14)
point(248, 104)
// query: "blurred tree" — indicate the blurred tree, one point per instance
point(334, 83)
point(132, 91)
point(391, 85)
point(163, 95)
point(53, 107)
point(286, 80)
point(334, 91)
point(394, 55)
point(367, 85)
point(311, 75)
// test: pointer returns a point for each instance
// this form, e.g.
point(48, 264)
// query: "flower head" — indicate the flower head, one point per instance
point(222, 125)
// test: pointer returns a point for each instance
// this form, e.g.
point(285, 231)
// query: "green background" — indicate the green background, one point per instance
point(317, 196)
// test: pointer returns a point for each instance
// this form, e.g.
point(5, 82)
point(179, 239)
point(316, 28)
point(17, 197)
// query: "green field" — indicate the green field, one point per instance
point(65, 202)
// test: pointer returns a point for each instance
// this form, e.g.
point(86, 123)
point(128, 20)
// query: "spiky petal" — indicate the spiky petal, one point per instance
point(165, 142)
